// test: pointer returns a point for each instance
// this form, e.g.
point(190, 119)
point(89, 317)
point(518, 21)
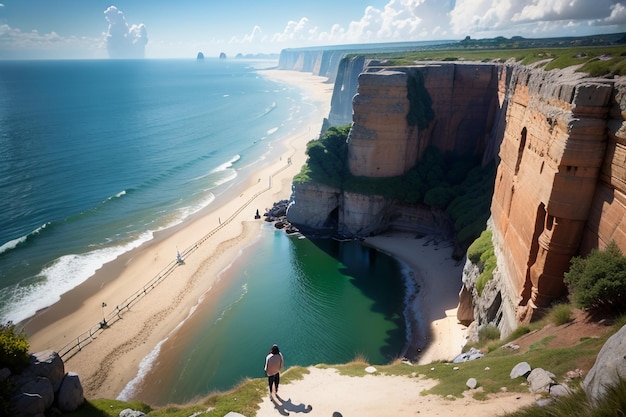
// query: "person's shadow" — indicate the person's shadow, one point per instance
point(286, 406)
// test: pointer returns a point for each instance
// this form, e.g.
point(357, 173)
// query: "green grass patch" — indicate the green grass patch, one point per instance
point(482, 254)
point(561, 314)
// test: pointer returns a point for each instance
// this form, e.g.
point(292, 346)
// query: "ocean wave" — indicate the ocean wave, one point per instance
point(64, 274)
point(228, 164)
point(148, 361)
point(12, 244)
point(272, 131)
point(145, 366)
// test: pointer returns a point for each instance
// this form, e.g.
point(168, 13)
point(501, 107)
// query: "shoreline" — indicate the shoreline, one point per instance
point(435, 332)
point(112, 360)
point(108, 363)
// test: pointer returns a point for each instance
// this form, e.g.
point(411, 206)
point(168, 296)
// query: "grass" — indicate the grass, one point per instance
point(594, 60)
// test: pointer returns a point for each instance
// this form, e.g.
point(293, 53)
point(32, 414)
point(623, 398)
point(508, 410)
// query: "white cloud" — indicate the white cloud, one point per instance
point(124, 41)
point(14, 43)
point(618, 14)
point(528, 17)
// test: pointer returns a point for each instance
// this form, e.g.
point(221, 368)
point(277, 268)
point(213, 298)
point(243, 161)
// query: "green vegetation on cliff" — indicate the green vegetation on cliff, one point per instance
point(458, 185)
point(481, 253)
point(595, 56)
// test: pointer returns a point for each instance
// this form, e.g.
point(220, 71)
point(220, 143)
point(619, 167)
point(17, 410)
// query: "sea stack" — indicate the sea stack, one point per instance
point(200, 56)
point(222, 55)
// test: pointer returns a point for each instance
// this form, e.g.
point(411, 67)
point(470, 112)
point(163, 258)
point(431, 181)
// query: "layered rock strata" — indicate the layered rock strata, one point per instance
point(462, 97)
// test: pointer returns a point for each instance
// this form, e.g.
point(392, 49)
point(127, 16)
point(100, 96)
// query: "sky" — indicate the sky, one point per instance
point(94, 29)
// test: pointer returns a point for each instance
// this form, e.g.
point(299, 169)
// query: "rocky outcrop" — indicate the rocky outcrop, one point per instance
point(44, 385)
point(314, 206)
point(609, 367)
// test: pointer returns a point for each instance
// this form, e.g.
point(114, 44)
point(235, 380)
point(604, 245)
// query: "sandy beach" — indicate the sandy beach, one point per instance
point(112, 358)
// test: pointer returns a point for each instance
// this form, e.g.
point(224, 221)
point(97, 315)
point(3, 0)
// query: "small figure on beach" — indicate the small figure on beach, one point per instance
point(274, 362)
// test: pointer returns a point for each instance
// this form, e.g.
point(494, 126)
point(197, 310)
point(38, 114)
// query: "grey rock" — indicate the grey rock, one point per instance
point(470, 355)
point(540, 380)
point(544, 402)
point(610, 365)
point(521, 369)
point(559, 390)
point(25, 404)
point(70, 395)
point(127, 412)
point(233, 414)
point(47, 364)
point(471, 383)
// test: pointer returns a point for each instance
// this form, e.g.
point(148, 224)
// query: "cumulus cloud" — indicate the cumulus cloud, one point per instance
point(529, 17)
point(122, 40)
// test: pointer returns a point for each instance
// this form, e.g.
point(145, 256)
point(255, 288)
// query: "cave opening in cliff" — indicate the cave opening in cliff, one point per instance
point(520, 151)
point(332, 221)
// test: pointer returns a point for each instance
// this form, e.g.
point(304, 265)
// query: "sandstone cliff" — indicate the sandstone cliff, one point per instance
point(398, 113)
point(559, 189)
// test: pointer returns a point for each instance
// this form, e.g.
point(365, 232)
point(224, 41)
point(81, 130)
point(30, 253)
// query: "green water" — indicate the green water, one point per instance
point(321, 301)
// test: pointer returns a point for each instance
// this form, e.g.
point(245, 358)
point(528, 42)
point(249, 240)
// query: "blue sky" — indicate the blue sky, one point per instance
point(63, 29)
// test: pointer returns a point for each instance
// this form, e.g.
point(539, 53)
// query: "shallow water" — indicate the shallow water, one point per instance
point(321, 301)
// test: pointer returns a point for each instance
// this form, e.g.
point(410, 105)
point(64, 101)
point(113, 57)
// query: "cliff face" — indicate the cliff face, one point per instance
point(559, 188)
point(462, 97)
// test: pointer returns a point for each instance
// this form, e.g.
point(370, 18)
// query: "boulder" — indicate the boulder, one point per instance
point(471, 383)
point(558, 390)
point(47, 364)
point(127, 412)
point(521, 369)
point(70, 395)
point(33, 397)
point(540, 380)
point(609, 367)
point(27, 405)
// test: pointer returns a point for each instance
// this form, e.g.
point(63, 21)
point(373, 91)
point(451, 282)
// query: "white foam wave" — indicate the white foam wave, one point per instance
point(145, 366)
point(11, 244)
point(188, 211)
point(227, 165)
point(272, 131)
point(65, 273)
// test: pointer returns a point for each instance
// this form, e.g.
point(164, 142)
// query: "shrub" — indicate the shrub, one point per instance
point(561, 314)
point(488, 332)
point(13, 348)
point(598, 281)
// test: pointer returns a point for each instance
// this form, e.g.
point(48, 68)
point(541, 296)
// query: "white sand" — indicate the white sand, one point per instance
point(324, 392)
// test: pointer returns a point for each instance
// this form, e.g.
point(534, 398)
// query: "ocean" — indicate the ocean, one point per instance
point(97, 156)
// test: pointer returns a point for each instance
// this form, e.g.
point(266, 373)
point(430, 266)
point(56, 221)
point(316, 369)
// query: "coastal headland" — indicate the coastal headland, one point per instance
point(113, 356)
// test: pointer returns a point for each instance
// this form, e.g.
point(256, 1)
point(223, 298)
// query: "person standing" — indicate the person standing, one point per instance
point(274, 362)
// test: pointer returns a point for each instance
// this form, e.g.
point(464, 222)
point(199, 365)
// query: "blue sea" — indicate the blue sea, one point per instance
point(98, 156)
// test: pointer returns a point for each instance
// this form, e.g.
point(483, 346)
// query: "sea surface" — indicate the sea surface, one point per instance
point(97, 156)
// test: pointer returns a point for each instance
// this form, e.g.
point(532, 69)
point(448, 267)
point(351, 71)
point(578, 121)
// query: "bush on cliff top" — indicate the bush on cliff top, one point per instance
point(599, 280)
point(13, 348)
